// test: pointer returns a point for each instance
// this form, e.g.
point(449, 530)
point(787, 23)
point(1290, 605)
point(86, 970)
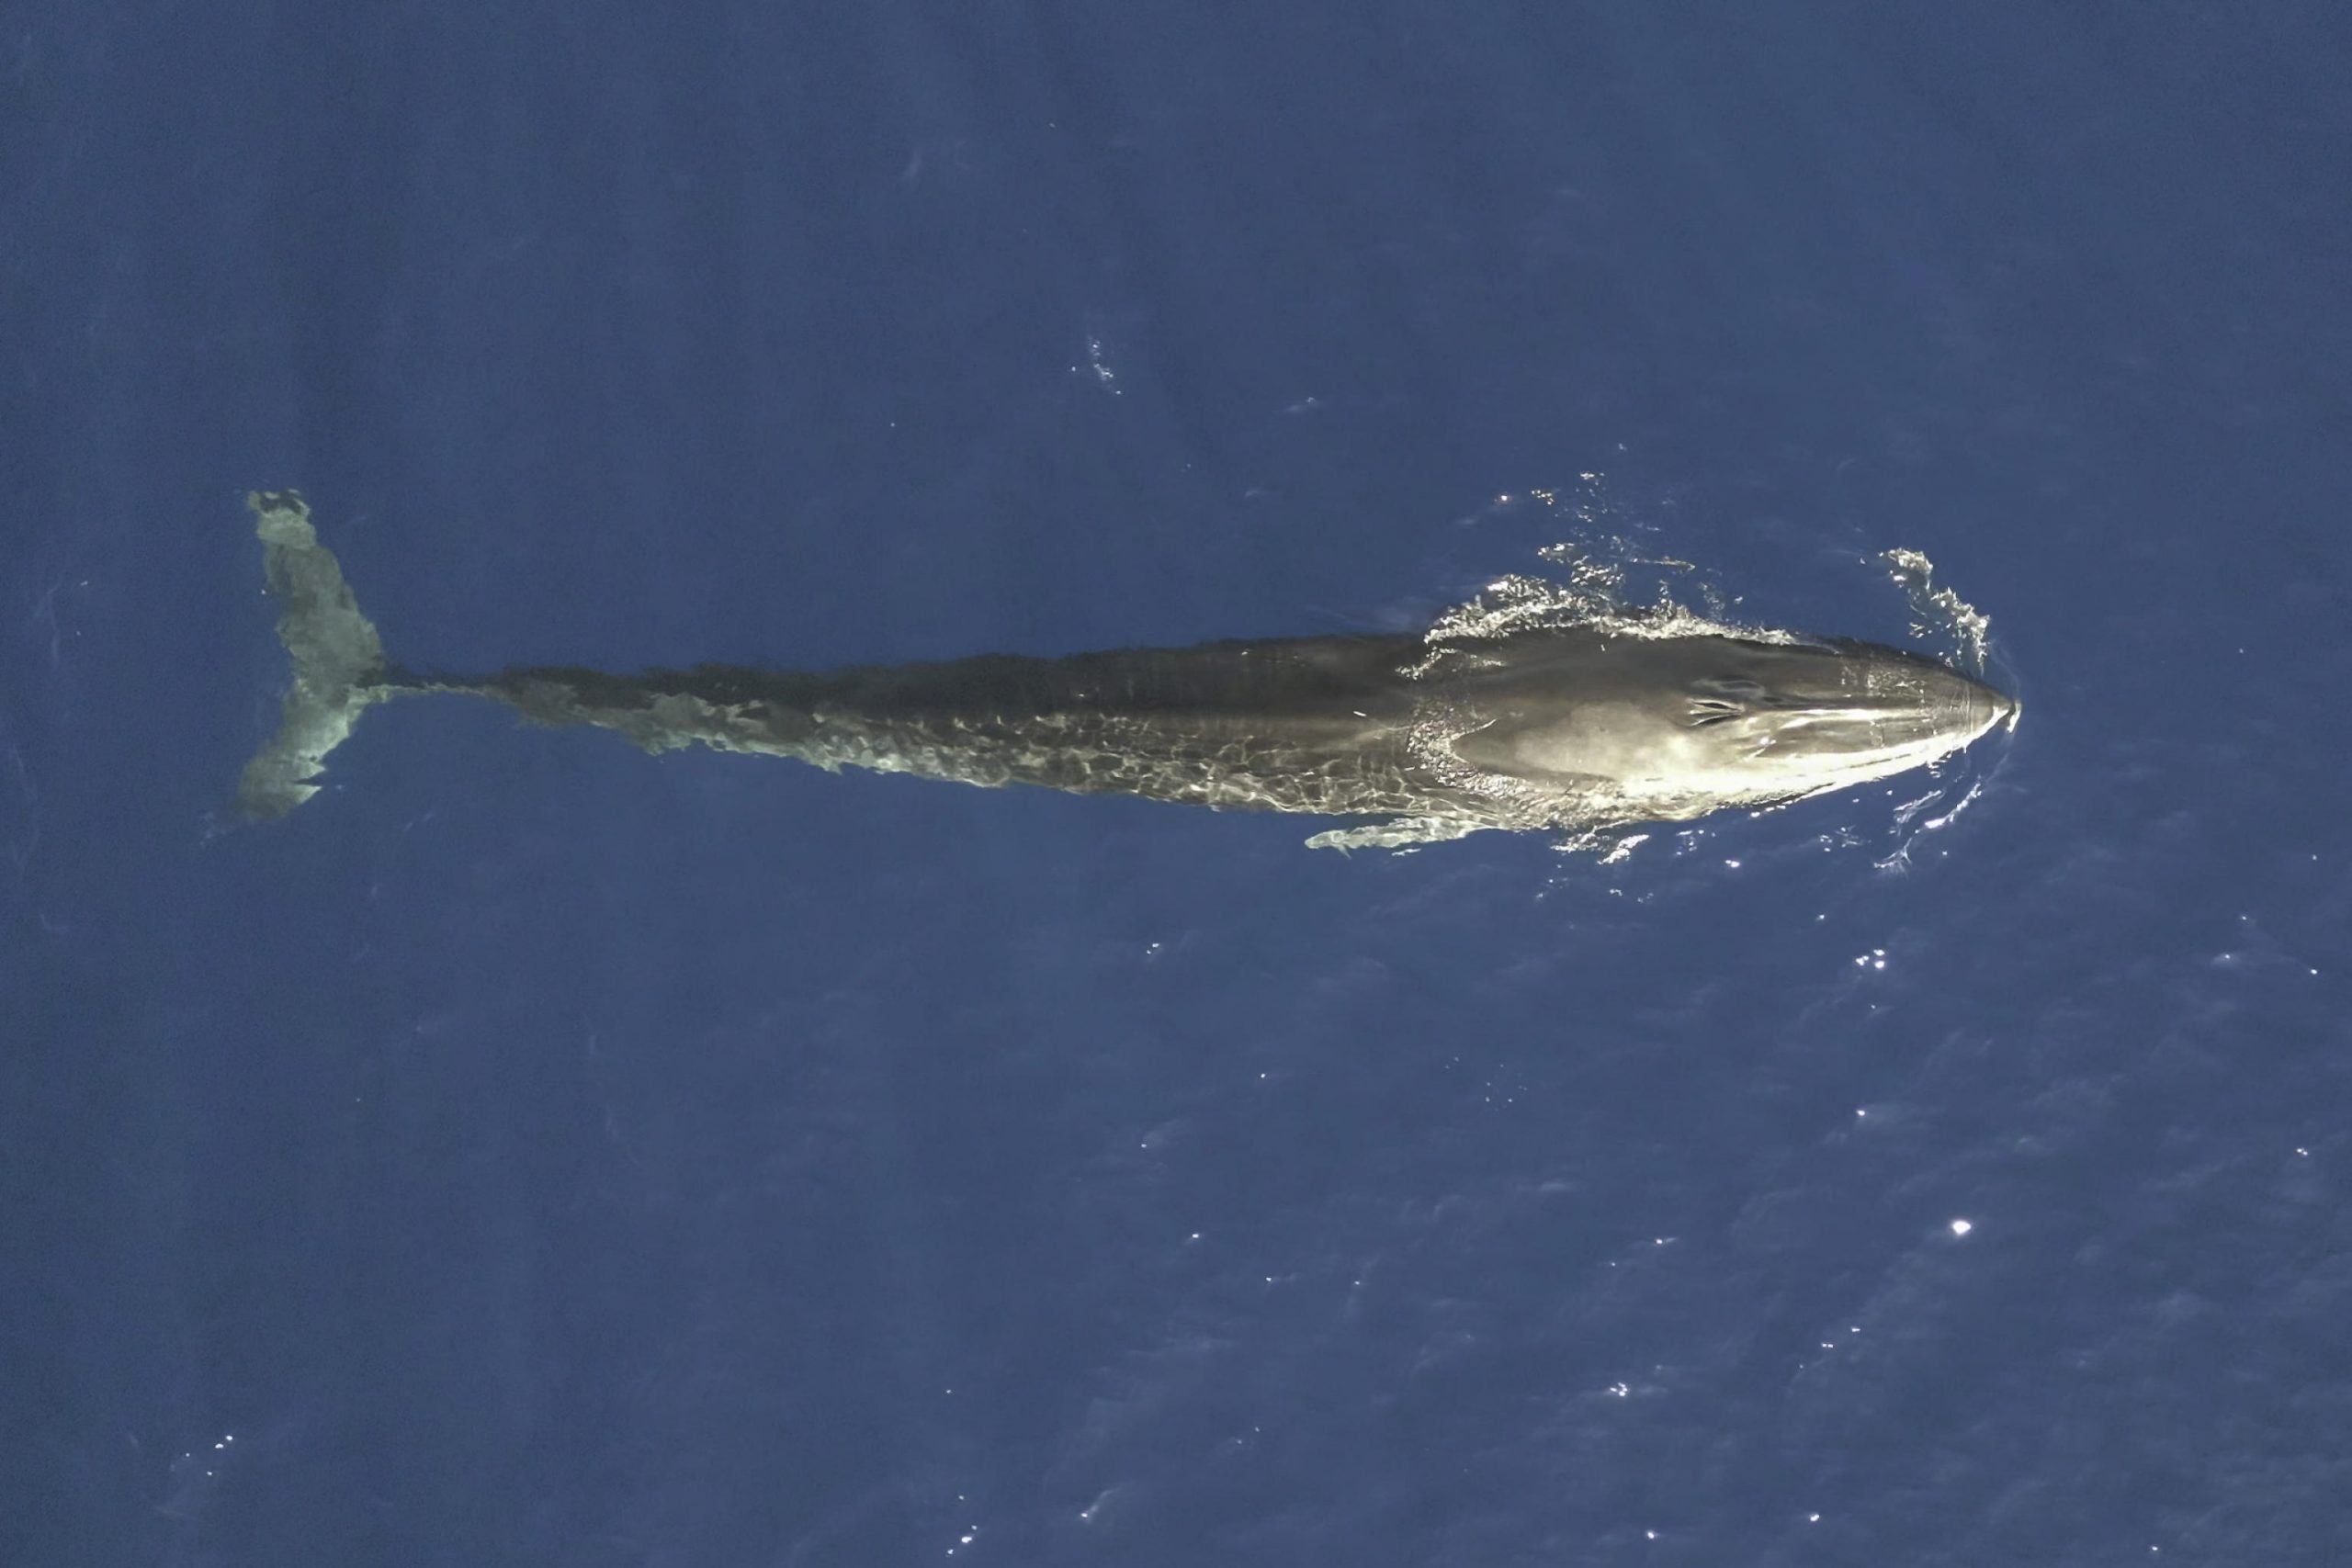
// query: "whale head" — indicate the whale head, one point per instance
point(1803, 718)
point(1675, 727)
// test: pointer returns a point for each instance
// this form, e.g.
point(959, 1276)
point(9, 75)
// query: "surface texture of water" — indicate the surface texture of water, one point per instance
point(532, 1152)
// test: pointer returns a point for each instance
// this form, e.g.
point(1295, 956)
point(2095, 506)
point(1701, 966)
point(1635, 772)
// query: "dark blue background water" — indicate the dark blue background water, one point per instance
point(531, 1152)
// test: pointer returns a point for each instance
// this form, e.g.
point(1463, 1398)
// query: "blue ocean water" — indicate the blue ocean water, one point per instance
point(534, 1152)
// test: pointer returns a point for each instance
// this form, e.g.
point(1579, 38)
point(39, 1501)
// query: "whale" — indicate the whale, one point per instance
point(1588, 728)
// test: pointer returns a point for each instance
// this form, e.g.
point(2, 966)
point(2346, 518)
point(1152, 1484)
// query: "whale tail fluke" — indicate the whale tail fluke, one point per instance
point(339, 670)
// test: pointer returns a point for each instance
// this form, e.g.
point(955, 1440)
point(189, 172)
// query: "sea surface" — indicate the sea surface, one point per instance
point(536, 1152)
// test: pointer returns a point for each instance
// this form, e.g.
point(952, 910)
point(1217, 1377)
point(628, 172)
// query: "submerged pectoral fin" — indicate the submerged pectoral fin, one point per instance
point(1400, 833)
point(339, 668)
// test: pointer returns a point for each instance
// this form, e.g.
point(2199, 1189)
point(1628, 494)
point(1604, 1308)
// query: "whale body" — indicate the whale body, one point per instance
point(1583, 729)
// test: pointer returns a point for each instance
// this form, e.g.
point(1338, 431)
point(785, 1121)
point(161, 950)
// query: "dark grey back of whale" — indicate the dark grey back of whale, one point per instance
point(1307, 677)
